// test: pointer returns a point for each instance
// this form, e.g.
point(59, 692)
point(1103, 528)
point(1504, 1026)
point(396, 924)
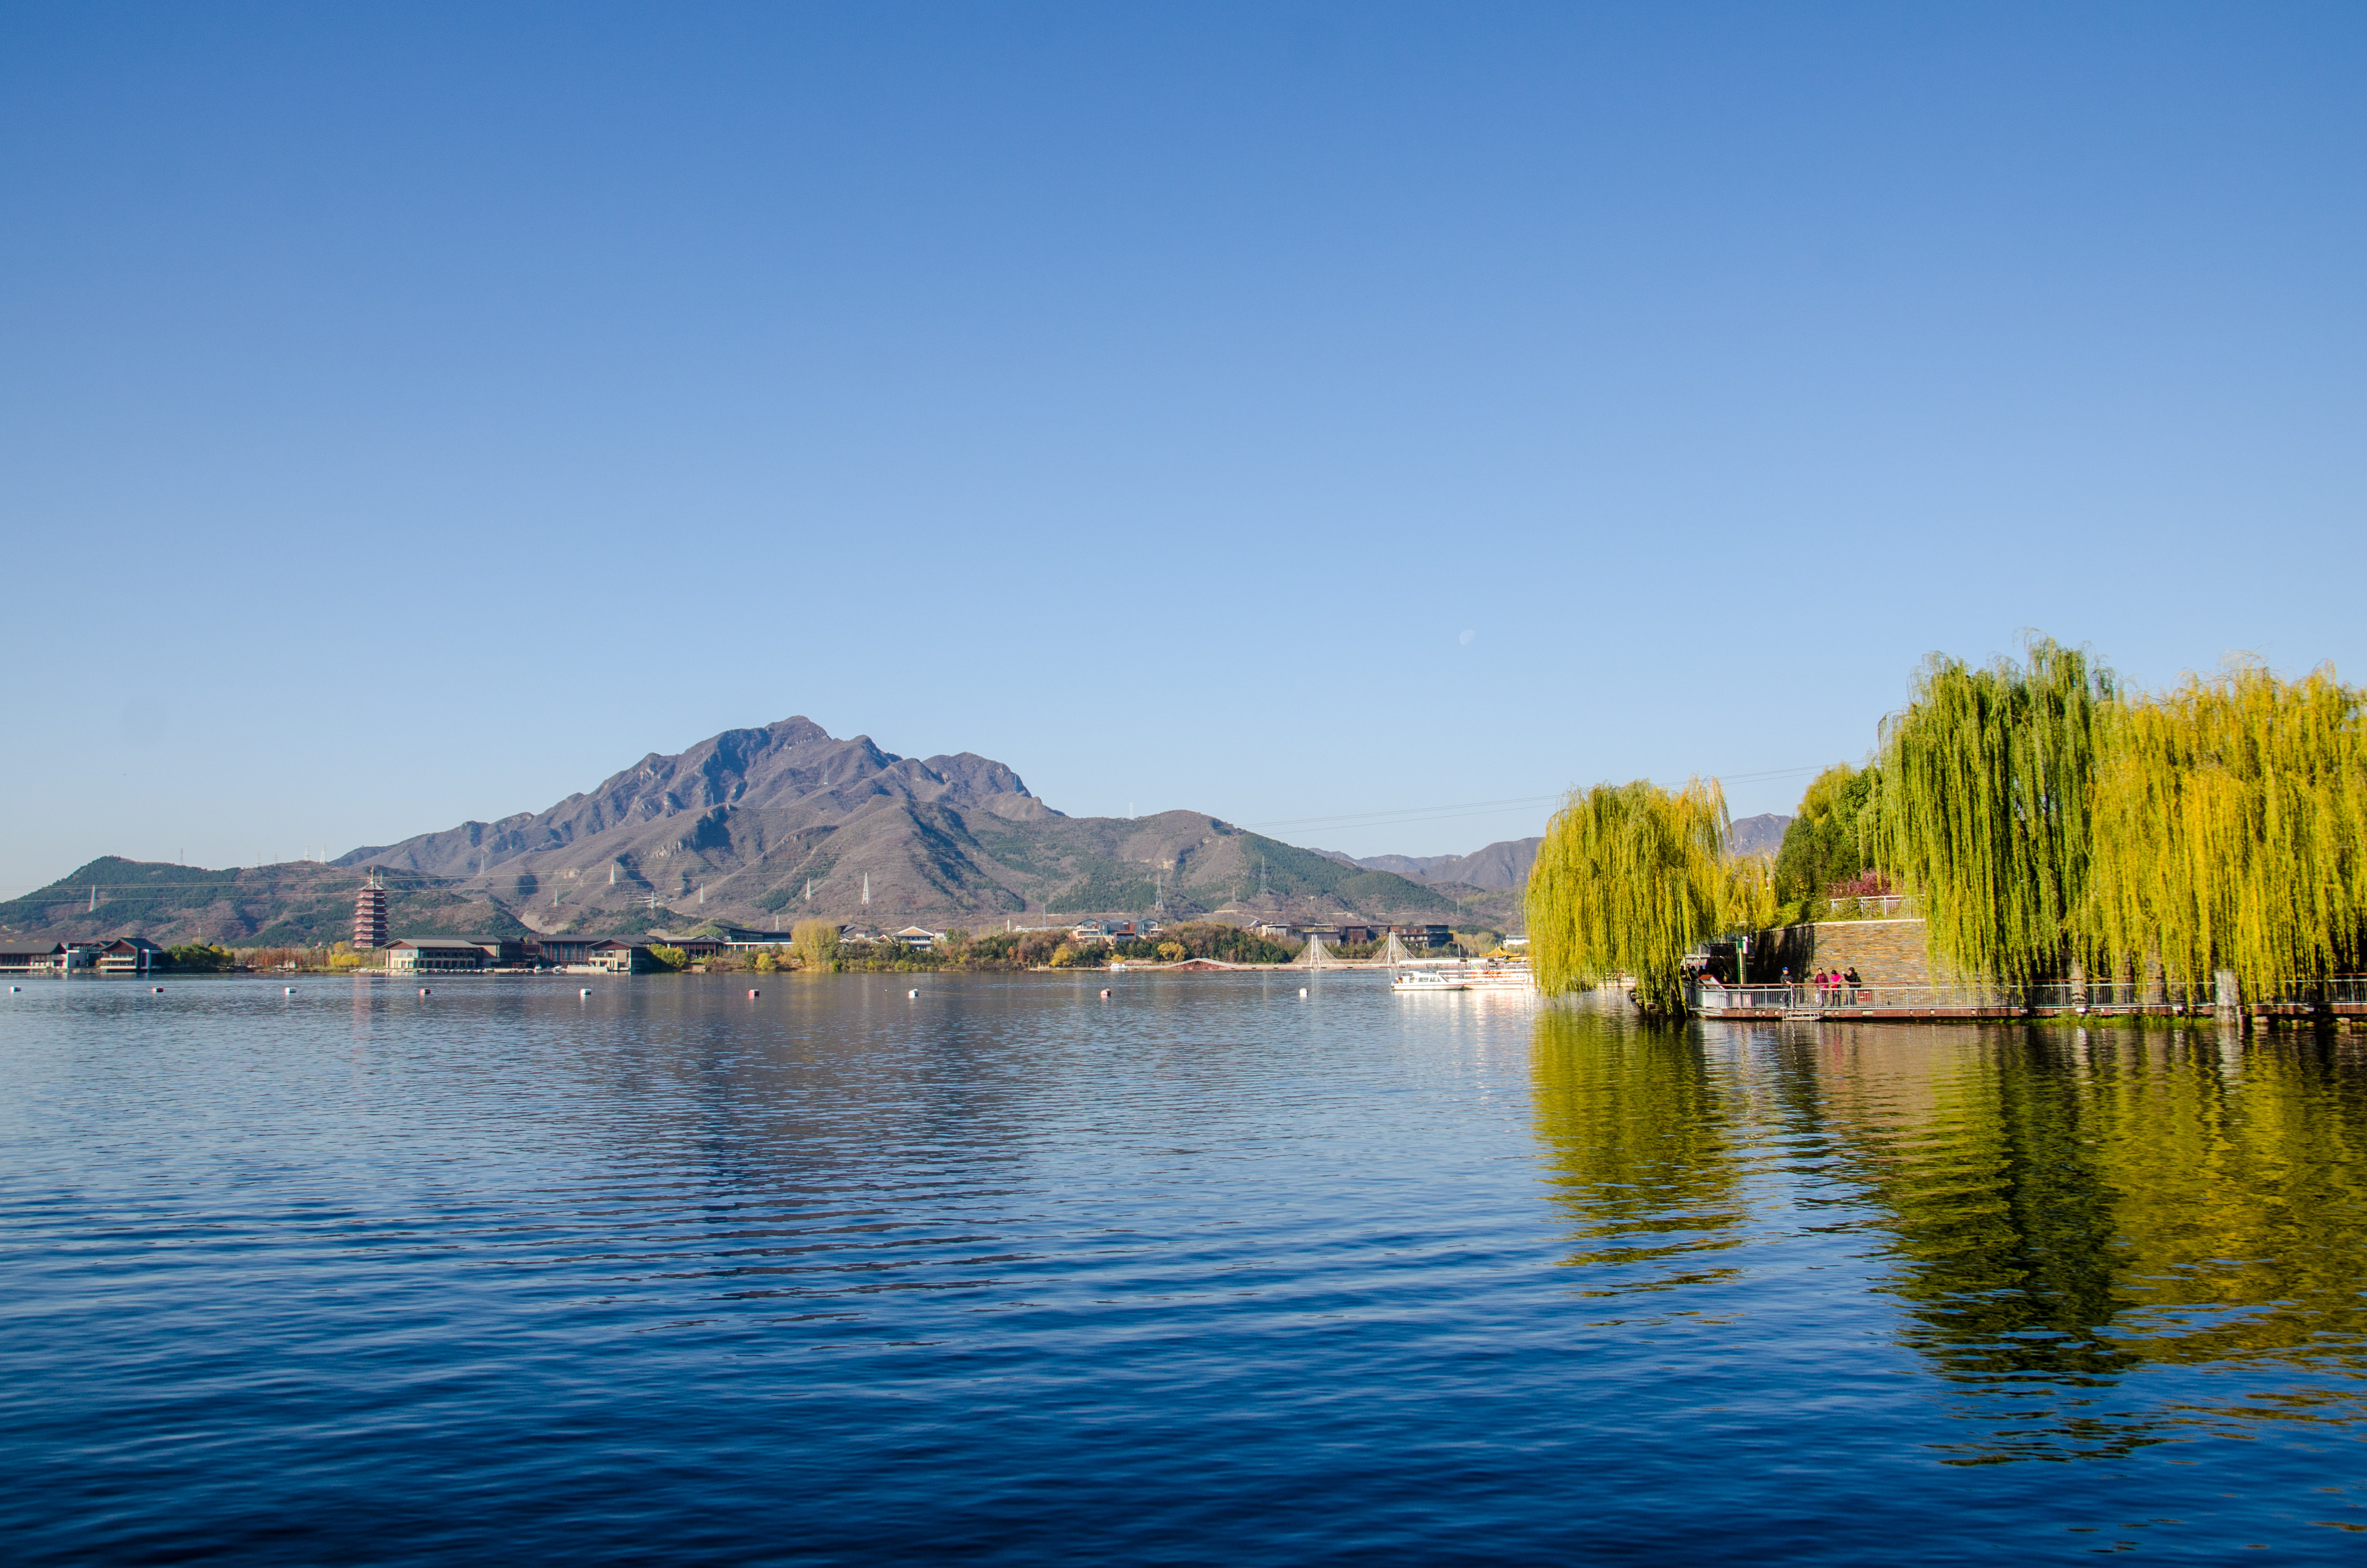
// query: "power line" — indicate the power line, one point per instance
point(1483, 808)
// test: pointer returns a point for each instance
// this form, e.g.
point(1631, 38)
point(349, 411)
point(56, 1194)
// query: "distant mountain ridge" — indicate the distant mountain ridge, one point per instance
point(1500, 866)
point(793, 767)
point(1504, 865)
point(757, 827)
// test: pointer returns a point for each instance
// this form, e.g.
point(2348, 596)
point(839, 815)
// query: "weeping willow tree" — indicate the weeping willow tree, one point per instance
point(2231, 830)
point(1629, 879)
point(1983, 804)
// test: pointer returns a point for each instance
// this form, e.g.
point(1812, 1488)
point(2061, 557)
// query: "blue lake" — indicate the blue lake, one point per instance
point(1204, 1272)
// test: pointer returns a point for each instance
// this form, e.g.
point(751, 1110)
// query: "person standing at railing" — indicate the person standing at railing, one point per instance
point(1853, 983)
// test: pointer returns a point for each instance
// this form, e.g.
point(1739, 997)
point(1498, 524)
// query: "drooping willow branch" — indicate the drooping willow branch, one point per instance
point(1984, 803)
point(1629, 879)
point(2231, 830)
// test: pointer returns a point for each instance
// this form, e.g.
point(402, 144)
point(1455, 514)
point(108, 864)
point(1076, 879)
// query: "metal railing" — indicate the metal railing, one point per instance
point(1878, 906)
point(2071, 995)
point(2150, 994)
point(1710, 1000)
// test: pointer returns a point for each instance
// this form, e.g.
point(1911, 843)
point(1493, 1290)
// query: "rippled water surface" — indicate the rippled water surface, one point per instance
point(1200, 1273)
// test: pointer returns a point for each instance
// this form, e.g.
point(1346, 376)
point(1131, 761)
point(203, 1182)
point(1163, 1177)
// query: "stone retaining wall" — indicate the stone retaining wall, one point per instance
point(1884, 952)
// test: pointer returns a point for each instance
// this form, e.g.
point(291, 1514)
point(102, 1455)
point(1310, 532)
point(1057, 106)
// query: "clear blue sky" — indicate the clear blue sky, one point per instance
point(411, 413)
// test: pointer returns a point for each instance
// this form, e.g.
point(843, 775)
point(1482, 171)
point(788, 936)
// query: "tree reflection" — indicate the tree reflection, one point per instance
point(1991, 1184)
point(2065, 1206)
point(1640, 1143)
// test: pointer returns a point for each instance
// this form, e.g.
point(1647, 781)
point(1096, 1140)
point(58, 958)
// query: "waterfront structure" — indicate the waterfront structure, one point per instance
point(32, 957)
point(615, 956)
point(561, 951)
point(1426, 935)
point(127, 955)
point(917, 936)
point(741, 936)
point(1112, 930)
point(369, 915)
point(421, 954)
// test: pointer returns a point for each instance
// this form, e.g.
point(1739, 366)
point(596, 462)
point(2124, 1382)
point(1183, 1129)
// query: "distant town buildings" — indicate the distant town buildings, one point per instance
point(105, 955)
point(1114, 930)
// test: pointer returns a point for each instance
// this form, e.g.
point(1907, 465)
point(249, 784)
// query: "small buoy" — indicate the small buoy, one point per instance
point(422, 991)
point(1104, 993)
point(1302, 991)
point(158, 990)
point(916, 993)
point(754, 992)
point(288, 989)
point(585, 992)
point(14, 989)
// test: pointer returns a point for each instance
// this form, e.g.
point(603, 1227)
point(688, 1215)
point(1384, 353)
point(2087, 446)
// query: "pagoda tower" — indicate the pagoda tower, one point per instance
point(369, 915)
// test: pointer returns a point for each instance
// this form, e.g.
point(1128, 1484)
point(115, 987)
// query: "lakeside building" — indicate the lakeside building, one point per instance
point(561, 951)
point(1426, 935)
point(103, 955)
point(421, 954)
point(128, 955)
point(613, 955)
point(1114, 930)
point(697, 948)
point(919, 937)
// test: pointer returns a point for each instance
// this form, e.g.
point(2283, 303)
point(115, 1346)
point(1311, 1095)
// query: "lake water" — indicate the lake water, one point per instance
point(1200, 1273)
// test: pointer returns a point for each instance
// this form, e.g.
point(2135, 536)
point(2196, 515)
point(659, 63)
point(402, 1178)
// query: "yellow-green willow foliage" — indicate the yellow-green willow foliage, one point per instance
point(1628, 878)
point(2231, 830)
point(1749, 898)
point(1641, 1151)
point(1983, 805)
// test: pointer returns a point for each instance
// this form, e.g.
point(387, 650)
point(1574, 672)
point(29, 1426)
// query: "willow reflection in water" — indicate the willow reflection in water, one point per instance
point(1643, 1152)
point(2057, 1215)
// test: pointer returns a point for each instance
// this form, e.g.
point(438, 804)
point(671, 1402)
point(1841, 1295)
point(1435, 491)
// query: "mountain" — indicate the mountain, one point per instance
point(1762, 834)
point(1505, 865)
point(1500, 867)
point(756, 828)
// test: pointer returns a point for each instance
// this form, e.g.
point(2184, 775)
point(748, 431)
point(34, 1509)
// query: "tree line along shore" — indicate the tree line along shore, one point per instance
point(2049, 822)
point(820, 947)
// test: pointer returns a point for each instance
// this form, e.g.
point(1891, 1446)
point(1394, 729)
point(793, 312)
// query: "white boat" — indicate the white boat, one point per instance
point(1488, 974)
point(1426, 980)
